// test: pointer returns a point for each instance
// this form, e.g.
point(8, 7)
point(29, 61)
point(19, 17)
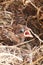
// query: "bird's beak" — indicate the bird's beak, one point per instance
point(27, 33)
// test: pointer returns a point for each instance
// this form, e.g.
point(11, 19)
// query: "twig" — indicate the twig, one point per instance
point(36, 36)
point(24, 42)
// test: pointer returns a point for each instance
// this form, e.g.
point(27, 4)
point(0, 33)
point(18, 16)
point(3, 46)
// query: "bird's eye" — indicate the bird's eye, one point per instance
point(22, 30)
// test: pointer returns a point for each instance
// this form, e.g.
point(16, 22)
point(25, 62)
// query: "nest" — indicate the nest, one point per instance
point(16, 17)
